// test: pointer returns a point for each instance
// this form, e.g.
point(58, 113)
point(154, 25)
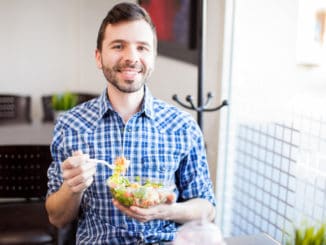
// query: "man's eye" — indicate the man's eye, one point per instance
point(118, 46)
point(142, 48)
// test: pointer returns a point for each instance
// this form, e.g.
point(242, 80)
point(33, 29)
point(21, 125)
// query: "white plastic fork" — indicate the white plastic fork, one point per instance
point(101, 161)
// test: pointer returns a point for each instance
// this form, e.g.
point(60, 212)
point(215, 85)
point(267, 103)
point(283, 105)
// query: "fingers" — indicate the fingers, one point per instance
point(142, 214)
point(128, 211)
point(78, 180)
point(77, 153)
point(77, 188)
point(74, 161)
point(78, 175)
point(78, 160)
point(88, 167)
point(77, 172)
point(162, 211)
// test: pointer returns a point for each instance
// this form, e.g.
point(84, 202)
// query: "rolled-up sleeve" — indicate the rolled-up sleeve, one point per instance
point(193, 173)
point(54, 173)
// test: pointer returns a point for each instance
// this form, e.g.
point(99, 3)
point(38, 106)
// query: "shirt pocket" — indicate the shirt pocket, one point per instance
point(159, 166)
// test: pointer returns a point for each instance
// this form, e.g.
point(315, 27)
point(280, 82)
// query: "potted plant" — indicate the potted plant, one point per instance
point(308, 235)
point(62, 102)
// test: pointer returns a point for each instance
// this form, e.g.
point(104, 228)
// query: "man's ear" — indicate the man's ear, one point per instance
point(98, 58)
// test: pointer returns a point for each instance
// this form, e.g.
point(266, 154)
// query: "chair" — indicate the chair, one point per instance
point(15, 109)
point(83, 97)
point(48, 114)
point(23, 186)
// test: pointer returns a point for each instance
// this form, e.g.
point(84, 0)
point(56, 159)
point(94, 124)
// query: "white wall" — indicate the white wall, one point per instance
point(48, 46)
point(38, 47)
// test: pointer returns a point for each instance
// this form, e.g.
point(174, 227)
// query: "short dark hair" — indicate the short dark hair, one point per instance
point(124, 12)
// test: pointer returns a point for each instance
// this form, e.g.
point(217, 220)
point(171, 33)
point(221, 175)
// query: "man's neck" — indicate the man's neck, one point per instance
point(126, 104)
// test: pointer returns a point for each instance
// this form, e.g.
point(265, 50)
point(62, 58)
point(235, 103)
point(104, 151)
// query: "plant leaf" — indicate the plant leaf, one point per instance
point(298, 237)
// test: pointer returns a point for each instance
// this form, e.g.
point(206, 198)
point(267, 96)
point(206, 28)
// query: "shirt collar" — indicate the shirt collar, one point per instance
point(147, 106)
point(105, 104)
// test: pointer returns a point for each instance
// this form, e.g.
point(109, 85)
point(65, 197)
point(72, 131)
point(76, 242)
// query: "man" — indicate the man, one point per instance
point(160, 141)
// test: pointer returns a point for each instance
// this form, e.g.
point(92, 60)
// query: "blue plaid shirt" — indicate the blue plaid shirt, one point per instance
point(161, 141)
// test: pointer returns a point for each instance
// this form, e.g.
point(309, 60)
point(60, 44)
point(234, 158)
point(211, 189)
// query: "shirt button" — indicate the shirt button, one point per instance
point(129, 129)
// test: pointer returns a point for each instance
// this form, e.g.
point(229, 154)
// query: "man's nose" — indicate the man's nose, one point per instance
point(131, 54)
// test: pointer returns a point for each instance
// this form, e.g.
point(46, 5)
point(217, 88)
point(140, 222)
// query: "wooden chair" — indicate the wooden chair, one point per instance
point(48, 115)
point(23, 187)
point(15, 109)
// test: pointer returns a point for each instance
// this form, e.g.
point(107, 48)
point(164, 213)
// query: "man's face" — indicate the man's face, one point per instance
point(127, 56)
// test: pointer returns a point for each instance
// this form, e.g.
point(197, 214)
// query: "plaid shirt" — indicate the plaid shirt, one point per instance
point(161, 142)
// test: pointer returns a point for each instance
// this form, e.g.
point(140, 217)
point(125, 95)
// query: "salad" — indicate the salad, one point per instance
point(135, 192)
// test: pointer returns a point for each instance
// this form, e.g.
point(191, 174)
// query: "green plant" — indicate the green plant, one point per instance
point(308, 235)
point(63, 101)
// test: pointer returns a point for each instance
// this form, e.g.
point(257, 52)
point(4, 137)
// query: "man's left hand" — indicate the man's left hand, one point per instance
point(162, 211)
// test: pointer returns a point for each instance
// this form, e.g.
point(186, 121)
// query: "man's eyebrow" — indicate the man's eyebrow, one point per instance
point(117, 41)
point(124, 41)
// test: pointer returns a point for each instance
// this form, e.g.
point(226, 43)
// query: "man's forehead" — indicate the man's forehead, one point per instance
point(138, 29)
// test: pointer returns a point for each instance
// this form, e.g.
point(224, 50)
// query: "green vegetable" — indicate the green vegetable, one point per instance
point(149, 183)
point(140, 193)
point(120, 195)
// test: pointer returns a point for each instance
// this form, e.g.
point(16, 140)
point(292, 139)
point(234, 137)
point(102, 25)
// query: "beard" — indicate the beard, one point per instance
point(126, 86)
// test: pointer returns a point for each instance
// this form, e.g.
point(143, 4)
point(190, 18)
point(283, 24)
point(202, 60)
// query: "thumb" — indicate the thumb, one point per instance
point(77, 153)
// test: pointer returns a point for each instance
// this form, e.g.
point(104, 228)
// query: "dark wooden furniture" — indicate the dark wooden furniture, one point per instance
point(15, 109)
point(48, 114)
point(23, 187)
point(25, 136)
point(83, 97)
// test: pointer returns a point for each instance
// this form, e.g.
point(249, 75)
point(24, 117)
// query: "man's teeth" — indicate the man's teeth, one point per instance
point(130, 71)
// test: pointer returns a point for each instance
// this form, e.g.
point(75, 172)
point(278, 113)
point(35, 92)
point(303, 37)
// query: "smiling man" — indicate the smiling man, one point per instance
point(160, 141)
point(126, 55)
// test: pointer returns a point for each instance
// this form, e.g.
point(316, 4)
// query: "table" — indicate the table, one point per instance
point(26, 134)
point(259, 239)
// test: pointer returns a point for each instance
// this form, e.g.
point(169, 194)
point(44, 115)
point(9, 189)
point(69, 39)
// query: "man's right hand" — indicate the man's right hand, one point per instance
point(77, 172)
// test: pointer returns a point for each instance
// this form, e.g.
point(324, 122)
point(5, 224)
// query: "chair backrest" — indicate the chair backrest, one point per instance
point(15, 109)
point(83, 97)
point(23, 171)
point(48, 114)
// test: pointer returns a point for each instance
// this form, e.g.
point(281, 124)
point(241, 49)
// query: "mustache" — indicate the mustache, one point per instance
point(127, 65)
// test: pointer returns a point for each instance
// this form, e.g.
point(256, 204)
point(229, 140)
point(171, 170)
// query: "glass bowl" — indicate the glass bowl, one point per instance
point(144, 193)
